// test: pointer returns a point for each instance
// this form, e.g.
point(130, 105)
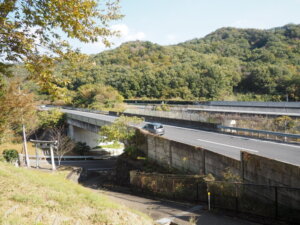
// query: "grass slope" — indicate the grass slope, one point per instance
point(34, 197)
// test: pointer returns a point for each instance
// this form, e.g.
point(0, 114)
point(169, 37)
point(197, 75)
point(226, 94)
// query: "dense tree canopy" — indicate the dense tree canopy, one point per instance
point(30, 32)
point(32, 36)
point(226, 64)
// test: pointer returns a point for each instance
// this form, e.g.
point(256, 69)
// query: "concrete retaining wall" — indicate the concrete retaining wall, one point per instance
point(258, 169)
point(188, 158)
point(250, 168)
point(217, 164)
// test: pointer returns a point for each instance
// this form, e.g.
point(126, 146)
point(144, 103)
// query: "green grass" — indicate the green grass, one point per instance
point(115, 145)
point(18, 147)
point(34, 197)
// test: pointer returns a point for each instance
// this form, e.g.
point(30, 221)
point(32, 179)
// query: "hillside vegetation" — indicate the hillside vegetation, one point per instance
point(228, 64)
point(33, 197)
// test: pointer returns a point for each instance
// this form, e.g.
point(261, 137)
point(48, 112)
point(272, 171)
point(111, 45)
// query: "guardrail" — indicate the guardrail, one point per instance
point(67, 157)
point(79, 109)
point(220, 103)
point(239, 131)
point(260, 133)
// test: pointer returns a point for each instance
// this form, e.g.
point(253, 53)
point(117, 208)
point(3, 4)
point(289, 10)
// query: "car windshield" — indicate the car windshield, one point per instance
point(159, 126)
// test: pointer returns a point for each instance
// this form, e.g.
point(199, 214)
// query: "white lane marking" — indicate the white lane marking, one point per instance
point(231, 146)
point(196, 130)
point(238, 137)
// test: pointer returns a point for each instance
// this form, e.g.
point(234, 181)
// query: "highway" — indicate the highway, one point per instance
point(224, 144)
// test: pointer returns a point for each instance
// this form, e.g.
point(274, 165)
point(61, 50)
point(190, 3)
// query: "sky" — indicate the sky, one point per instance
point(168, 22)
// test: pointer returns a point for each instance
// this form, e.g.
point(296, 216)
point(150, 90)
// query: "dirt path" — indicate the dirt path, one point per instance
point(164, 211)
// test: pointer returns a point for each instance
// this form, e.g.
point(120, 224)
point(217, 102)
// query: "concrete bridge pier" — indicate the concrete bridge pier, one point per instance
point(70, 131)
point(82, 132)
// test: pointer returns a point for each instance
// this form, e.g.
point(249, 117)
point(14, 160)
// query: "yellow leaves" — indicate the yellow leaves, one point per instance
point(17, 107)
point(80, 19)
point(84, 20)
point(42, 71)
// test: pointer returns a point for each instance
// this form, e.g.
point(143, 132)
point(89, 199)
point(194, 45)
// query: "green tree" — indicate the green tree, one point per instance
point(98, 96)
point(50, 118)
point(29, 32)
point(120, 130)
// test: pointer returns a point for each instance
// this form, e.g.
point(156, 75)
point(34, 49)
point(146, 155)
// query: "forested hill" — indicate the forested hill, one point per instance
point(229, 63)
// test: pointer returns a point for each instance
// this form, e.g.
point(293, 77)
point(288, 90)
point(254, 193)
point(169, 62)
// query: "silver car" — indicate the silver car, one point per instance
point(155, 128)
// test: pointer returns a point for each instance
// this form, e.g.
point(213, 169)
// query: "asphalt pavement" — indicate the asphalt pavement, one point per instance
point(225, 144)
point(164, 212)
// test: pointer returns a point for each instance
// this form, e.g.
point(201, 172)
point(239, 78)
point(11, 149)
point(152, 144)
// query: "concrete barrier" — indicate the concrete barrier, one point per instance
point(250, 168)
point(173, 121)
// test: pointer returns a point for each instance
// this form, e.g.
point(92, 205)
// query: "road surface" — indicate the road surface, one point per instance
point(224, 144)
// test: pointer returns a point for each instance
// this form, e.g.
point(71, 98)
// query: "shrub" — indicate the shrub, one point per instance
point(283, 123)
point(162, 107)
point(131, 151)
point(81, 148)
point(10, 155)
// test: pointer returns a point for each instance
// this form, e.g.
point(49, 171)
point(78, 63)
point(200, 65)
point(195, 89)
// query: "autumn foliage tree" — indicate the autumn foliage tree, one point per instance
point(30, 32)
point(17, 107)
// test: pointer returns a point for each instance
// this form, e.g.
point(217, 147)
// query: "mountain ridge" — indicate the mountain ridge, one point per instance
point(219, 66)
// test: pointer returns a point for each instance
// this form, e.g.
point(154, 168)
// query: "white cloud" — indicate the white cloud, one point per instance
point(126, 34)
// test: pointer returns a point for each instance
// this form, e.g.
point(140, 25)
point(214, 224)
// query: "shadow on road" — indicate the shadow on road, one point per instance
point(162, 211)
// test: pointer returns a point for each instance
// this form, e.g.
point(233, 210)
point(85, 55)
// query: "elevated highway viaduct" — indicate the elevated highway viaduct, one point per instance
point(84, 126)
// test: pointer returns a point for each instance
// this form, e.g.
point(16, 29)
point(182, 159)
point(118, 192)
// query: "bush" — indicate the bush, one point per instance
point(162, 107)
point(81, 148)
point(131, 151)
point(10, 155)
